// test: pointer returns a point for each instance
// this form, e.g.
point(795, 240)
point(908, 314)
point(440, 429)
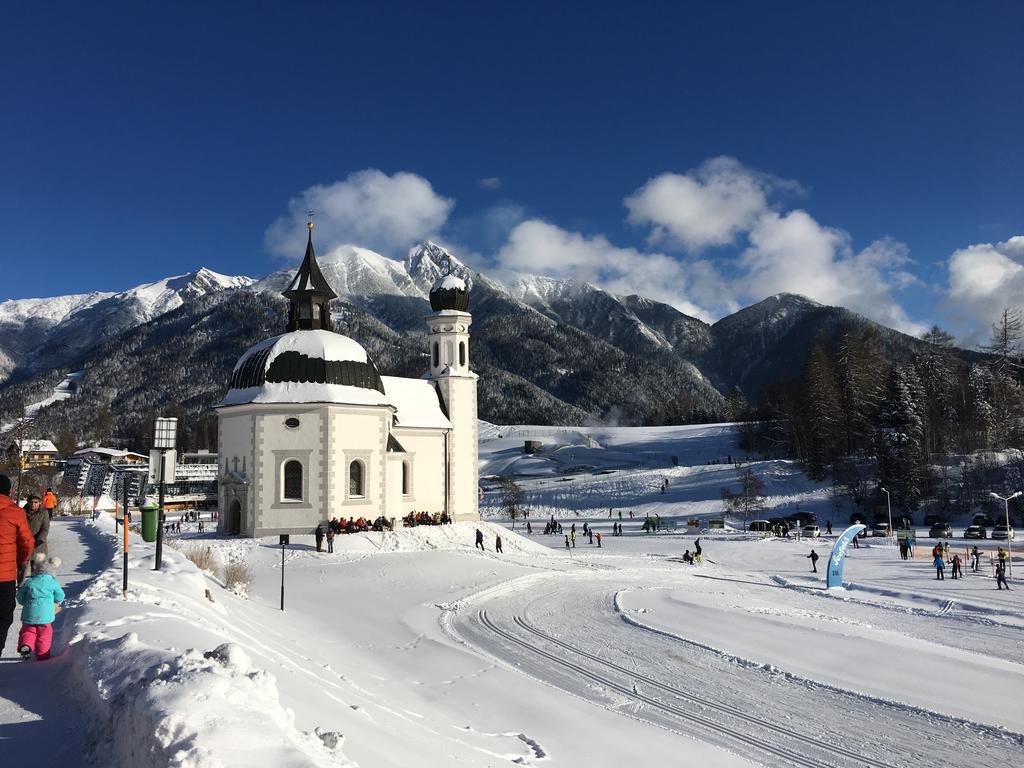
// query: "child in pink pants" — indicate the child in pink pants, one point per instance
point(39, 595)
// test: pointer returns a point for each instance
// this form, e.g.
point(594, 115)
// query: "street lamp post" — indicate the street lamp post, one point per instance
point(165, 438)
point(888, 504)
point(1006, 508)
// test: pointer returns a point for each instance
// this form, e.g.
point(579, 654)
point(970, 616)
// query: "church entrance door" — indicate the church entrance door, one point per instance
point(235, 526)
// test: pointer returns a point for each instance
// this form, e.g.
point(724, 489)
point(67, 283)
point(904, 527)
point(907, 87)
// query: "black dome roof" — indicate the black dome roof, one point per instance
point(449, 292)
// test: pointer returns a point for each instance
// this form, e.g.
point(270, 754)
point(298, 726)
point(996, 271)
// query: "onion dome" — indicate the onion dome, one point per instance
point(314, 366)
point(449, 292)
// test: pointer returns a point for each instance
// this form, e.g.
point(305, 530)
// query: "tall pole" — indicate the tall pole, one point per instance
point(888, 505)
point(124, 546)
point(160, 514)
point(1006, 508)
point(282, 575)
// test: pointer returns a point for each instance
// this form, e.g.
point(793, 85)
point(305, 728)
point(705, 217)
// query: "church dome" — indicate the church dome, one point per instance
point(314, 366)
point(449, 292)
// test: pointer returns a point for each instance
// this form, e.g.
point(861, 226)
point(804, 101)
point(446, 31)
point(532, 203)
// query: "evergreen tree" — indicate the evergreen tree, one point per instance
point(900, 458)
point(936, 366)
point(862, 371)
point(823, 417)
point(1005, 342)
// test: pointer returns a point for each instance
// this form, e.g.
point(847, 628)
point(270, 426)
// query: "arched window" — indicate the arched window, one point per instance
point(292, 486)
point(355, 478)
point(437, 355)
point(462, 354)
point(406, 479)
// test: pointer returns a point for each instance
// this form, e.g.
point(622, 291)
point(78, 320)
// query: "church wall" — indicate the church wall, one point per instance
point(277, 444)
point(358, 435)
point(425, 454)
point(235, 441)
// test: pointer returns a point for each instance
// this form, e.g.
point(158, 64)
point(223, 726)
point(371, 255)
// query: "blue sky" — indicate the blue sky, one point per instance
point(860, 153)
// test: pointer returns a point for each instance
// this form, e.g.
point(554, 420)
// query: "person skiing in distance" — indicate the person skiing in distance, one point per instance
point(40, 596)
point(828, 527)
point(529, 528)
point(598, 539)
point(813, 557)
point(957, 571)
point(318, 534)
point(697, 551)
point(572, 538)
point(1001, 575)
point(940, 566)
point(497, 544)
point(590, 535)
point(480, 540)
point(567, 543)
point(975, 558)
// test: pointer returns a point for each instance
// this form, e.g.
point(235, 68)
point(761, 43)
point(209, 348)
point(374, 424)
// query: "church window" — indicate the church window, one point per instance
point(406, 479)
point(355, 478)
point(292, 490)
point(462, 354)
point(437, 355)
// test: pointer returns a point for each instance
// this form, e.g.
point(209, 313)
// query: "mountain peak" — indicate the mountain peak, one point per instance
point(428, 261)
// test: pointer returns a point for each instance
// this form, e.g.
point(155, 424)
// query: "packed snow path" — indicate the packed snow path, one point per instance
point(572, 633)
point(40, 723)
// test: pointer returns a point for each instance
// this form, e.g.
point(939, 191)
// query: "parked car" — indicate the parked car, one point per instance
point(940, 531)
point(982, 519)
point(1002, 532)
point(976, 532)
point(880, 529)
point(759, 526)
point(811, 531)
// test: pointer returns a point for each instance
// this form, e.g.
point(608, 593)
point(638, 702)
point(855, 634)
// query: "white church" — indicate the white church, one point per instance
point(309, 430)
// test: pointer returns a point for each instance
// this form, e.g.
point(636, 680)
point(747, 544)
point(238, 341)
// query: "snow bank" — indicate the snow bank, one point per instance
point(207, 706)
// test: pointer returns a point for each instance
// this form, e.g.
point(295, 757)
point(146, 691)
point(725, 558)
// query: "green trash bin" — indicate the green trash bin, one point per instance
point(150, 521)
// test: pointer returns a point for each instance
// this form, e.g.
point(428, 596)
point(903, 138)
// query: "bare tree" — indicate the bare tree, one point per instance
point(512, 499)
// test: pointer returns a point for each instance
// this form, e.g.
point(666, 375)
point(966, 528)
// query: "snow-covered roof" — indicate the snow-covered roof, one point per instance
point(304, 392)
point(449, 283)
point(325, 345)
point(416, 401)
point(37, 446)
point(113, 453)
point(314, 366)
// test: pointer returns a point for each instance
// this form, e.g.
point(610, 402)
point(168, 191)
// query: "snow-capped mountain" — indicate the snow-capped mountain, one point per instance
point(39, 334)
point(548, 350)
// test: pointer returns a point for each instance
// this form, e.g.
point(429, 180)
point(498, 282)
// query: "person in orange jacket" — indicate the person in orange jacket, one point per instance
point(49, 502)
point(16, 545)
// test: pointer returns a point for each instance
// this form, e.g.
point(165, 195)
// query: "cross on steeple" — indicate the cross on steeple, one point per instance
point(310, 213)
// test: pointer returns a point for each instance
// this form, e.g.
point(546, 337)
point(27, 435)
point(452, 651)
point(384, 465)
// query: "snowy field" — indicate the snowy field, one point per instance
point(413, 648)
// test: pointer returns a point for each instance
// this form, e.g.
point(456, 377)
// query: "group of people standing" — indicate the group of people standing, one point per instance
point(27, 573)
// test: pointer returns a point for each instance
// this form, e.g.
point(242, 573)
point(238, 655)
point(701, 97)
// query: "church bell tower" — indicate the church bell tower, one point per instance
point(448, 339)
point(309, 294)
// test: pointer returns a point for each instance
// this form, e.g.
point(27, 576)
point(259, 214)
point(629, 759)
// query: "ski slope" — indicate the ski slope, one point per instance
point(415, 648)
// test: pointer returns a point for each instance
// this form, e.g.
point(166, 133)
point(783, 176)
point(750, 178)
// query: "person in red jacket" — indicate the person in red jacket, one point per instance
point(16, 546)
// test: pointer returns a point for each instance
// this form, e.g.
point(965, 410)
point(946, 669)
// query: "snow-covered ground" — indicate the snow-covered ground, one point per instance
point(415, 648)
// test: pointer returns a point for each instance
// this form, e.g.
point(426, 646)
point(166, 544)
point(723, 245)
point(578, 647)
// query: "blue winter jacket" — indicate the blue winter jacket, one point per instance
point(38, 594)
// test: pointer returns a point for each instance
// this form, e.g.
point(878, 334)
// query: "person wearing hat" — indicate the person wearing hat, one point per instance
point(16, 546)
point(38, 523)
point(40, 596)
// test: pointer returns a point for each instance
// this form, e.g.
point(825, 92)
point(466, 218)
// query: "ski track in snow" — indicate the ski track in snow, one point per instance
point(754, 710)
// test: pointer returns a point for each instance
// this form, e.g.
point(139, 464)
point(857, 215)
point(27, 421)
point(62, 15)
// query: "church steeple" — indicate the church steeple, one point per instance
point(309, 293)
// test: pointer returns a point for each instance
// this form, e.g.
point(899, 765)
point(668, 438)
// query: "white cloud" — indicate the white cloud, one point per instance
point(793, 253)
point(540, 248)
point(983, 279)
point(707, 206)
point(369, 209)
